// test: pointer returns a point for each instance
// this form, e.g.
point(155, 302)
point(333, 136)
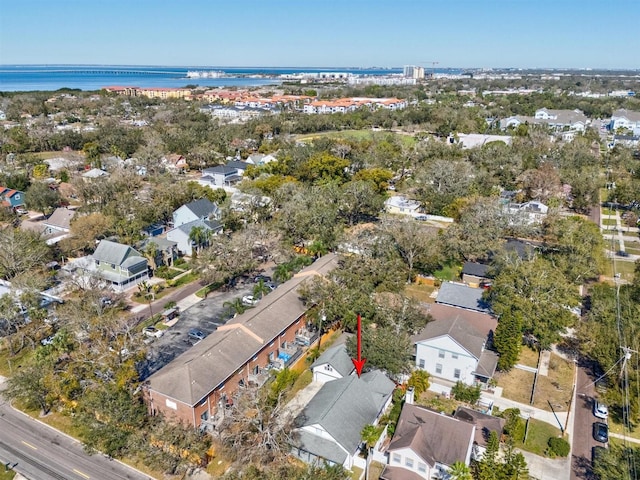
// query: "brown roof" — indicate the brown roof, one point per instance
point(433, 436)
point(484, 423)
point(399, 473)
point(470, 329)
point(205, 366)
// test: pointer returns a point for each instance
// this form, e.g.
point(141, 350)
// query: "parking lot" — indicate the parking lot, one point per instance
point(205, 316)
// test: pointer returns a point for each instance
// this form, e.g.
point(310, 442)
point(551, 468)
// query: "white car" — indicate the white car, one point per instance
point(249, 300)
point(152, 332)
point(600, 410)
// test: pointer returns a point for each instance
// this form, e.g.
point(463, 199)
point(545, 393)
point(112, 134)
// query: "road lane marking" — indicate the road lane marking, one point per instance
point(81, 474)
point(29, 445)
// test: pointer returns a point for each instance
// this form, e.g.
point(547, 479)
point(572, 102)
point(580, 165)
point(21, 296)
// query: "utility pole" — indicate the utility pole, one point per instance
point(627, 356)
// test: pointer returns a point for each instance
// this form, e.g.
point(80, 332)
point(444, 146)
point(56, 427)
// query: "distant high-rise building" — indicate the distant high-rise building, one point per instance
point(412, 71)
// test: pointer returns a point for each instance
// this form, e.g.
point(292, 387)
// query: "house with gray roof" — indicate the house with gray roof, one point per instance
point(455, 346)
point(181, 235)
point(485, 424)
point(426, 443)
point(198, 385)
point(625, 119)
point(120, 265)
point(94, 174)
point(334, 363)
point(59, 222)
point(462, 296)
point(328, 428)
point(474, 273)
point(202, 209)
point(220, 176)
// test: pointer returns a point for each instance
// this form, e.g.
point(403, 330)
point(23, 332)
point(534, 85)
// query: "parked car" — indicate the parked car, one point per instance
point(250, 300)
point(196, 334)
point(48, 340)
point(152, 332)
point(264, 278)
point(600, 432)
point(600, 410)
point(622, 253)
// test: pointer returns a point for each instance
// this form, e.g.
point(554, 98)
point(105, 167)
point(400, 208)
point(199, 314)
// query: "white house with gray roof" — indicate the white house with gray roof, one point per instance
point(181, 235)
point(334, 363)
point(455, 346)
point(625, 119)
point(328, 429)
point(119, 265)
point(202, 209)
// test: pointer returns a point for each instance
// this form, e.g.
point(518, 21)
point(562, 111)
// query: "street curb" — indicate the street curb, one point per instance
point(75, 440)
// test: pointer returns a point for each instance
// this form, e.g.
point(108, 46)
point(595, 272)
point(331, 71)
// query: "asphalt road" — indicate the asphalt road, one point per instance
point(583, 440)
point(42, 453)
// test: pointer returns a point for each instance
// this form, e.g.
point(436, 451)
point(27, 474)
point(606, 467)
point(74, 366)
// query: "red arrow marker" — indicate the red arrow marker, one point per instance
point(359, 362)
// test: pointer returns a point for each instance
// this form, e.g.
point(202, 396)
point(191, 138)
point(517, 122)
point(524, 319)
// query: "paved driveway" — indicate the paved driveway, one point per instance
point(582, 427)
point(206, 315)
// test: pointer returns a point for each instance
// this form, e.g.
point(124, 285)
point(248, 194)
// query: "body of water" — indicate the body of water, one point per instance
point(94, 77)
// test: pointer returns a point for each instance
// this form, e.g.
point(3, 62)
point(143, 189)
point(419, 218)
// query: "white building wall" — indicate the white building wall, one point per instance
point(182, 239)
point(325, 373)
point(430, 351)
point(407, 459)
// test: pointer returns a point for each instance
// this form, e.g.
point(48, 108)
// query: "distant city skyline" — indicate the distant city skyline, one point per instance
point(573, 34)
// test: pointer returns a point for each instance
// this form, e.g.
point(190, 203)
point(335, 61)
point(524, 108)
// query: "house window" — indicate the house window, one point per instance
point(438, 368)
point(408, 462)
point(422, 468)
point(456, 373)
point(440, 353)
point(421, 363)
point(454, 356)
point(396, 458)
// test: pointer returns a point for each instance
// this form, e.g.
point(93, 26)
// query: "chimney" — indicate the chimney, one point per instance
point(409, 396)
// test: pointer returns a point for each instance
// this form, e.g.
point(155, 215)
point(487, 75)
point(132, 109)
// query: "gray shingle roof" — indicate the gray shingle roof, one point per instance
point(344, 406)
point(212, 225)
point(202, 368)
point(487, 364)
point(202, 208)
point(112, 252)
point(462, 296)
point(462, 332)
point(237, 165)
point(476, 269)
point(61, 218)
point(338, 358)
point(434, 437)
point(319, 446)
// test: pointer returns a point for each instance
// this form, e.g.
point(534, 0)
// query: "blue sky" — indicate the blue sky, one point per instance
point(338, 33)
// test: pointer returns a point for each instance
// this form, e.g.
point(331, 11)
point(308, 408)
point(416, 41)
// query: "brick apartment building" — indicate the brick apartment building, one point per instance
point(196, 386)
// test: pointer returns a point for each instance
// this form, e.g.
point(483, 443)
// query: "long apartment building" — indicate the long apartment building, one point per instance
point(196, 386)
point(344, 105)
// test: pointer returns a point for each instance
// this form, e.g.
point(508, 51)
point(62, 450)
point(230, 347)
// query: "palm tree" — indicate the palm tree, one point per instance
point(460, 471)
point(199, 236)
point(235, 306)
point(282, 273)
point(150, 252)
point(260, 289)
point(419, 380)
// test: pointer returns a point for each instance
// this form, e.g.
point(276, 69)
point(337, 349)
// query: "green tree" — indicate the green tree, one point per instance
point(384, 348)
point(370, 435)
point(41, 198)
point(460, 471)
point(21, 251)
point(507, 339)
point(235, 306)
point(419, 380)
point(323, 168)
point(200, 237)
point(260, 289)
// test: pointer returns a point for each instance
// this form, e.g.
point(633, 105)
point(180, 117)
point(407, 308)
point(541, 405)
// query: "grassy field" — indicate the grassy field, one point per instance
point(556, 387)
point(539, 434)
point(605, 212)
point(632, 247)
point(528, 357)
point(449, 272)
point(516, 385)
point(6, 475)
point(8, 362)
point(407, 140)
point(609, 221)
point(422, 293)
point(625, 269)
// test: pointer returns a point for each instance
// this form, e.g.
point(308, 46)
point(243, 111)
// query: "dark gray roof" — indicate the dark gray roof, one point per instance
point(476, 269)
point(524, 250)
point(219, 169)
point(202, 208)
point(112, 252)
point(212, 225)
point(434, 437)
point(161, 243)
point(484, 423)
point(344, 406)
point(462, 296)
point(338, 358)
point(238, 165)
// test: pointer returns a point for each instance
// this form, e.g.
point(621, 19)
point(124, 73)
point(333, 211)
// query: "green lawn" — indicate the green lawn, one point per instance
point(9, 363)
point(6, 475)
point(422, 293)
point(449, 272)
point(632, 247)
point(610, 222)
point(625, 269)
point(407, 140)
point(539, 434)
point(605, 212)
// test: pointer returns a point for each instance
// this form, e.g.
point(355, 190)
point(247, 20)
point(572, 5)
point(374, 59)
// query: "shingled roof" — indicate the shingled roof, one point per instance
point(205, 366)
point(343, 407)
point(462, 296)
point(338, 358)
point(434, 437)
